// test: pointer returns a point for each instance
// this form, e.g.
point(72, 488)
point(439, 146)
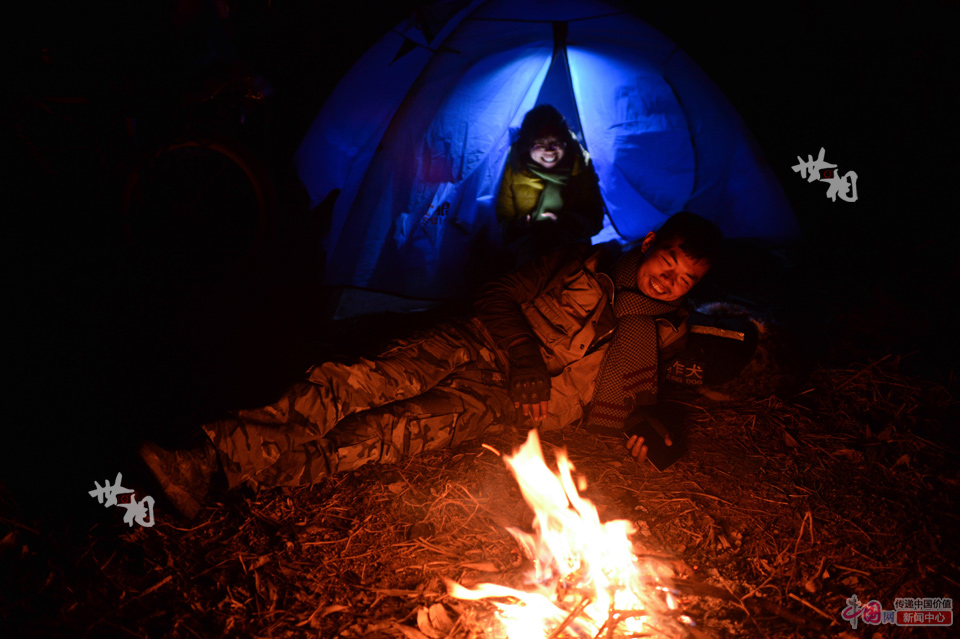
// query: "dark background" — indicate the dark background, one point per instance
point(102, 354)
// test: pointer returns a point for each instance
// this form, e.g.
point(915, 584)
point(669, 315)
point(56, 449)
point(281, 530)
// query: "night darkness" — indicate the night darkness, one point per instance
point(106, 349)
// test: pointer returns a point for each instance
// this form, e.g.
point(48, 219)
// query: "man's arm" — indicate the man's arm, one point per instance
point(498, 305)
point(499, 308)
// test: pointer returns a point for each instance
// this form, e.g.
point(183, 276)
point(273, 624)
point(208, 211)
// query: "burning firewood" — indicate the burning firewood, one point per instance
point(587, 578)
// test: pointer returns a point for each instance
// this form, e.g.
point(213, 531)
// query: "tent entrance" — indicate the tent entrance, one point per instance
point(557, 90)
point(407, 137)
point(557, 87)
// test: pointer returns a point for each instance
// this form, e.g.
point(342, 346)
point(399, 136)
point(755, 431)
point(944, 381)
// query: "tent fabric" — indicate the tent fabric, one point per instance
point(417, 134)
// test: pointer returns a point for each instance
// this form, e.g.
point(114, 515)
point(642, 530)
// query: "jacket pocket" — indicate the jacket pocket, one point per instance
point(568, 305)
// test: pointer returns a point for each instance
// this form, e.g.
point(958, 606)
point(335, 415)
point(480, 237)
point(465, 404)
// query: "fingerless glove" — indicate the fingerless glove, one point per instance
point(529, 379)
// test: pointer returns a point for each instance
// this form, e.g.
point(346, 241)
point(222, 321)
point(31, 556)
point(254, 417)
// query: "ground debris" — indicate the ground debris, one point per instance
point(782, 510)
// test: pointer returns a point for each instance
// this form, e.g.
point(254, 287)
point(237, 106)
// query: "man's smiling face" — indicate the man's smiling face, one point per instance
point(666, 272)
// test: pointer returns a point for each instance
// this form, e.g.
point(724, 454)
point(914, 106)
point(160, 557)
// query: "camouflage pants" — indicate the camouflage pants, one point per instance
point(435, 390)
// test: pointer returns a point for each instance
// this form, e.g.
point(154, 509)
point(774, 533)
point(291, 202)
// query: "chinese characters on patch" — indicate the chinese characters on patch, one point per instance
point(908, 611)
point(139, 511)
point(844, 185)
point(686, 372)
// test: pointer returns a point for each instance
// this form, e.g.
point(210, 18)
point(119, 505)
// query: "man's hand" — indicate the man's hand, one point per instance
point(637, 448)
point(637, 444)
point(529, 380)
point(536, 412)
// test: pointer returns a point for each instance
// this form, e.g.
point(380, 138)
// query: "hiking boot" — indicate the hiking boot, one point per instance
point(184, 475)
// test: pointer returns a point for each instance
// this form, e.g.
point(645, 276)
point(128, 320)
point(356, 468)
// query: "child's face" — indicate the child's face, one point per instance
point(547, 152)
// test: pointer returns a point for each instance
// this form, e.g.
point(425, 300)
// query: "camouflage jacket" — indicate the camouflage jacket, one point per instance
point(563, 301)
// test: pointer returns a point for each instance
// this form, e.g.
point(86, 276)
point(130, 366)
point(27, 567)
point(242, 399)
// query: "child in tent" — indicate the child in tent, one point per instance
point(549, 194)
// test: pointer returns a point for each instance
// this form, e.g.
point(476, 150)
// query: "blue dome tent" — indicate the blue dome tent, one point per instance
point(416, 135)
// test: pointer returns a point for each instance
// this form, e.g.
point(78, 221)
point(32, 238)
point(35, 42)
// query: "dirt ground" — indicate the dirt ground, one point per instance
point(780, 511)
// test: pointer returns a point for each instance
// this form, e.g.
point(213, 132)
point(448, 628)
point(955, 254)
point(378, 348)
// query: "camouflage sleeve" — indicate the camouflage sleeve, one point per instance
point(499, 303)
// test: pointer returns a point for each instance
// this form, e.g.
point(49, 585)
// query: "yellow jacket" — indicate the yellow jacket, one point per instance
point(582, 214)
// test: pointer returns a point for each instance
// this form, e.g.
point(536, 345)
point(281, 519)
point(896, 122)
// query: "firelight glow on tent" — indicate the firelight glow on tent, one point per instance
point(416, 135)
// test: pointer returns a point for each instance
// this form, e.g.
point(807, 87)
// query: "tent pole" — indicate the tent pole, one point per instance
point(560, 30)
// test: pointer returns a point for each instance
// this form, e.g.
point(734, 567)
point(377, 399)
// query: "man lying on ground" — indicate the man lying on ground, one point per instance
point(574, 337)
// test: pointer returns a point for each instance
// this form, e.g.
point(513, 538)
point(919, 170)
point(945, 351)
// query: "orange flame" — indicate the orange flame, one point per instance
point(585, 575)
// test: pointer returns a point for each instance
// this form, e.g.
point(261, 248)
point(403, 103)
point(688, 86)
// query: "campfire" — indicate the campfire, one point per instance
point(587, 579)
